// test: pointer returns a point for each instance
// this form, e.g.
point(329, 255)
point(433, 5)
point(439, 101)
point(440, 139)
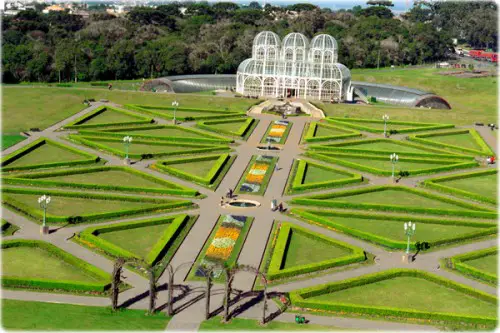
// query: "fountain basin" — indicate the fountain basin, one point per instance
point(242, 204)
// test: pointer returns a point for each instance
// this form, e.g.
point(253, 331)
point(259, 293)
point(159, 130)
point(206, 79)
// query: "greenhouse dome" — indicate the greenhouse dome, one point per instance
point(294, 67)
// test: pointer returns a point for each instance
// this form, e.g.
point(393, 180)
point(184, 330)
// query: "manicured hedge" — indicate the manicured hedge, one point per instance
point(345, 147)
point(120, 132)
point(80, 122)
point(316, 217)
point(32, 179)
point(434, 183)
point(311, 132)
point(460, 264)
point(298, 177)
point(76, 286)
point(275, 272)
point(91, 235)
point(222, 160)
point(191, 148)
point(37, 214)
point(415, 126)
point(300, 297)
point(6, 160)
point(427, 139)
point(211, 114)
point(322, 200)
point(365, 166)
point(242, 131)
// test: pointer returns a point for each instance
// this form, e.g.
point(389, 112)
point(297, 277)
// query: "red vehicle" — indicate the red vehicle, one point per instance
point(475, 53)
point(489, 56)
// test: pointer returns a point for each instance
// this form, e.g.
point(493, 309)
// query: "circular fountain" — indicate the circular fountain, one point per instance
point(240, 203)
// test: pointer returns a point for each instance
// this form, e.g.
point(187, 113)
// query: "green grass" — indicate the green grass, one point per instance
point(485, 185)
point(460, 140)
point(8, 229)
point(327, 131)
point(230, 126)
point(33, 262)
point(46, 153)
point(487, 263)
point(303, 250)
point(25, 107)
point(412, 293)
point(108, 116)
point(472, 100)
point(143, 148)
point(386, 164)
point(10, 140)
point(385, 145)
point(315, 174)
point(198, 168)
point(40, 316)
point(240, 324)
point(165, 131)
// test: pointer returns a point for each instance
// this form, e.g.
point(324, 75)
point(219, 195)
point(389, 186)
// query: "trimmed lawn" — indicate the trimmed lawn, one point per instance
point(303, 250)
point(10, 140)
point(143, 148)
point(230, 126)
point(32, 262)
point(67, 206)
point(198, 168)
point(460, 140)
point(487, 263)
point(240, 324)
point(379, 126)
point(483, 185)
point(165, 131)
point(315, 174)
point(138, 240)
point(327, 131)
point(386, 145)
point(38, 316)
point(109, 116)
point(386, 164)
point(412, 293)
point(46, 153)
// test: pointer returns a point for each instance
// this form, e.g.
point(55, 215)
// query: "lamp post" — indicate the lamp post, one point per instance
point(44, 201)
point(394, 159)
point(385, 118)
point(409, 231)
point(175, 104)
point(127, 141)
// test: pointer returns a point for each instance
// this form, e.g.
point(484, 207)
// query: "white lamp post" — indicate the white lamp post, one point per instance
point(127, 141)
point(175, 104)
point(394, 159)
point(385, 118)
point(44, 201)
point(409, 231)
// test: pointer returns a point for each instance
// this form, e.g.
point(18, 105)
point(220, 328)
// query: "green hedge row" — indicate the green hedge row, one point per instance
point(275, 270)
point(344, 146)
point(208, 138)
point(80, 122)
point(37, 214)
point(91, 235)
point(460, 264)
point(300, 297)
point(322, 200)
point(417, 127)
point(487, 228)
point(365, 167)
point(434, 183)
point(485, 149)
point(102, 147)
point(207, 180)
point(301, 167)
point(311, 132)
point(103, 278)
point(6, 160)
point(246, 124)
point(31, 179)
point(215, 113)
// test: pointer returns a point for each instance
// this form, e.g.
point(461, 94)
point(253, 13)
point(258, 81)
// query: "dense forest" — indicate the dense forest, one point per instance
point(216, 37)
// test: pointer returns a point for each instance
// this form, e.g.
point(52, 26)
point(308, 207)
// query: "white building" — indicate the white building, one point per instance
point(294, 67)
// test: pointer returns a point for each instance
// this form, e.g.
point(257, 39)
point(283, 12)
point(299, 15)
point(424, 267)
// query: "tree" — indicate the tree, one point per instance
point(378, 11)
point(228, 282)
point(385, 3)
point(116, 278)
point(301, 7)
point(254, 5)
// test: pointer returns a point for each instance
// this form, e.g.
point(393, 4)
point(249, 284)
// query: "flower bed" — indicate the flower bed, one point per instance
point(277, 132)
point(257, 175)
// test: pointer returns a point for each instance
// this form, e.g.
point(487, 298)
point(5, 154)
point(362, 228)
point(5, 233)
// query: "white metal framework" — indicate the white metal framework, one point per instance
point(294, 67)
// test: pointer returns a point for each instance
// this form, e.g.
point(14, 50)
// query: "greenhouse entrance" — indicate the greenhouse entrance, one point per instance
point(291, 93)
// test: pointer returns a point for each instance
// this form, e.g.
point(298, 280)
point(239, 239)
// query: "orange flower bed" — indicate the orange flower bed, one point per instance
point(254, 178)
point(214, 252)
point(224, 232)
point(260, 166)
point(277, 130)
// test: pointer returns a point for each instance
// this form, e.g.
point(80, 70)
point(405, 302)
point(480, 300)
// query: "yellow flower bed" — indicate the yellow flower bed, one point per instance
point(219, 253)
point(256, 179)
point(277, 130)
point(224, 232)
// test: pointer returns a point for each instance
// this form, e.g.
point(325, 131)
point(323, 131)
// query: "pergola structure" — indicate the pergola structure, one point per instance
point(294, 67)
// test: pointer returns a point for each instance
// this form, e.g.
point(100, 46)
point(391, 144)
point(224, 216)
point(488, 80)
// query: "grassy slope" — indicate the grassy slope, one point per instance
point(487, 263)
point(198, 168)
point(471, 99)
point(460, 140)
point(315, 174)
point(109, 116)
point(483, 185)
point(46, 154)
point(24, 315)
point(163, 132)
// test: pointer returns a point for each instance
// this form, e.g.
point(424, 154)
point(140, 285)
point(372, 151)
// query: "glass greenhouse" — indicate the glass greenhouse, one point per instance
point(294, 67)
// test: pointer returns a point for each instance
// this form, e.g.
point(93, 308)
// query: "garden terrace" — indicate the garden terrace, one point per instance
point(277, 132)
point(465, 141)
point(145, 149)
point(480, 185)
point(105, 116)
point(30, 264)
point(321, 131)
point(42, 153)
point(481, 264)
point(184, 114)
point(206, 170)
point(222, 247)
point(257, 175)
point(377, 126)
point(107, 178)
point(241, 128)
point(79, 207)
point(385, 230)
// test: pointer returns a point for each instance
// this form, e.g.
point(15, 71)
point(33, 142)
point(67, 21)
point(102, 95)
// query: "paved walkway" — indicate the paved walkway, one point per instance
point(190, 304)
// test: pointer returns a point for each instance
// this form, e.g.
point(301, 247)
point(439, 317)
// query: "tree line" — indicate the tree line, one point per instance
point(214, 38)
